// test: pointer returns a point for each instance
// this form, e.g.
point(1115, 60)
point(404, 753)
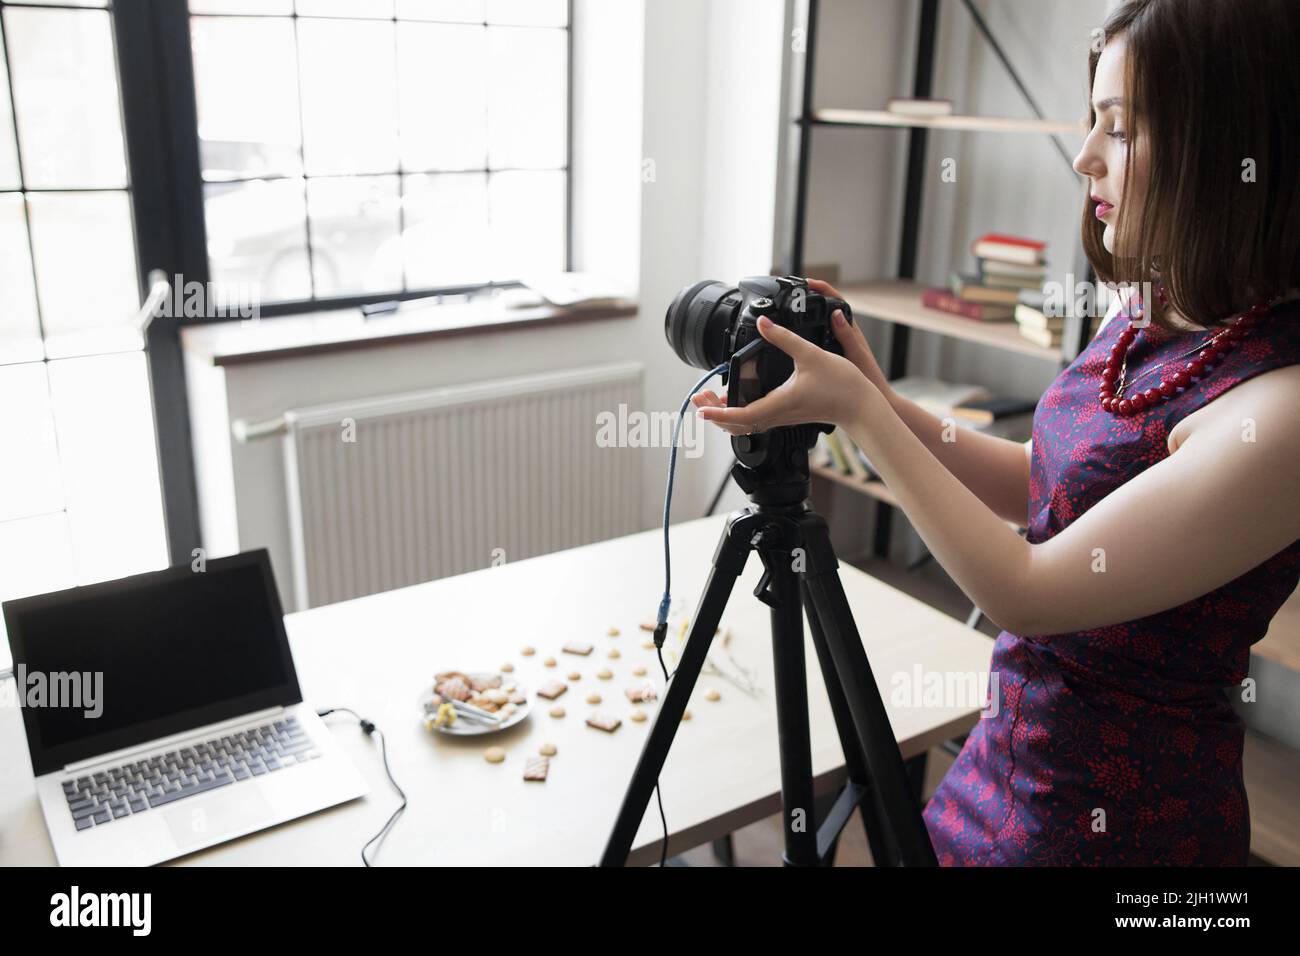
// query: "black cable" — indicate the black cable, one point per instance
point(370, 730)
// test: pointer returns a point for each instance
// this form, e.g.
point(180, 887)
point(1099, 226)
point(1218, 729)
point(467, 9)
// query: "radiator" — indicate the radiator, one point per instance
point(440, 482)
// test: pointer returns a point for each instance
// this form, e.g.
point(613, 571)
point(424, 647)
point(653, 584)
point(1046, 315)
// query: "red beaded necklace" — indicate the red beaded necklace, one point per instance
point(1113, 380)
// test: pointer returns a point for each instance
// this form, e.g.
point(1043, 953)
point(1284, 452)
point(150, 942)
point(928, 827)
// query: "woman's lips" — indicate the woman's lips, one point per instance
point(1102, 209)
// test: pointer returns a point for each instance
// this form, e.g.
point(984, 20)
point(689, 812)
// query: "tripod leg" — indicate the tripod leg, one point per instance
point(862, 697)
point(728, 562)
point(854, 762)
point(798, 811)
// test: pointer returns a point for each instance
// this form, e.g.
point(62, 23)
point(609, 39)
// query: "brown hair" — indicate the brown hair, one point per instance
point(1210, 90)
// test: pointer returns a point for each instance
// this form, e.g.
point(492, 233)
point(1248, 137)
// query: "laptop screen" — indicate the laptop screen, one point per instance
point(113, 665)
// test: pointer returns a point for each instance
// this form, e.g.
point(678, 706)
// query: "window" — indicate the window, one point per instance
point(79, 493)
point(364, 149)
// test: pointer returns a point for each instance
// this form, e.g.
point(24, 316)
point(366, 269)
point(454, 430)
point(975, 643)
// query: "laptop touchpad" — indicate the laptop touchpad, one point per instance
point(213, 816)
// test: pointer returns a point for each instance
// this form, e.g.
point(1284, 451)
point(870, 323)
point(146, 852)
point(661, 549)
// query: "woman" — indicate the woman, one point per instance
point(1159, 488)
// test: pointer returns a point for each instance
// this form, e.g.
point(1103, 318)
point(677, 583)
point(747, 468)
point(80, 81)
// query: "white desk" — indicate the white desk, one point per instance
point(374, 654)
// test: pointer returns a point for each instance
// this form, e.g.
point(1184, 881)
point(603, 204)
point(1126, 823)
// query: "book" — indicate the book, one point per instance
point(995, 281)
point(937, 396)
point(1047, 338)
point(852, 455)
point(992, 267)
point(1013, 249)
point(969, 288)
point(821, 454)
point(908, 106)
point(839, 461)
point(1036, 319)
point(944, 301)
point(984, 411)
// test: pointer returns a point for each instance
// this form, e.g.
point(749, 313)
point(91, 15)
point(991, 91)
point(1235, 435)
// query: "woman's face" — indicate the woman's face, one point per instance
point(1102, 158)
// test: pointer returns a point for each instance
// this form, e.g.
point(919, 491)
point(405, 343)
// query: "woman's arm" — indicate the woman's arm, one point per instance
point(1214, 509)
point(996, 470)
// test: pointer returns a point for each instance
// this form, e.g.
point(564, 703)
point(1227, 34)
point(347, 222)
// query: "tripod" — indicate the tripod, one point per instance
point(799, 574)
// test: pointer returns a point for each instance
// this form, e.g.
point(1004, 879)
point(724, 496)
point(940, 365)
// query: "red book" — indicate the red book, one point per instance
point(1004, 248)
point(945, 301)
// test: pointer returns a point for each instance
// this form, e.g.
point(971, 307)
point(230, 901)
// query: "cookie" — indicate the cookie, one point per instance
point(593, 699)
point(638, 671)
point(604, 722)
point(577, 647)
point(604, 673)
point(614, 654)
point(552, 689)
point(557, 712)
point(528, 650)
point(712, 694)
point(494, 755)
point(547, 750)
point(575, 675)
point(641, 693)
point(639, 715)
point(549, 662)
point(613, 632)
point(507, 667)
point(536, 768)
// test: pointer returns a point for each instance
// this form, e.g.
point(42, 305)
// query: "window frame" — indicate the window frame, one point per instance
point(175, 33)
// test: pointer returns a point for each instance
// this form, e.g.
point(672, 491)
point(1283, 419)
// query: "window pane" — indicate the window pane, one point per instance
point(349, 96)
point(34, 487)
point(20, 333)
point(442, 73)
point(378, 9)
point(527, 215)
point(35, 557)
point(8, 148)
point(542, 13)
point(527, 100)
point(66, 98)
point(85, 271)
point(354, 234)
point(248, 118)
point(453, 11)
point(104, 421)
point(446, 240)
point(242, 6)
point(257, 233)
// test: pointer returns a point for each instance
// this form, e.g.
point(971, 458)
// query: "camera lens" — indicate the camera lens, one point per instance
point(698, 320)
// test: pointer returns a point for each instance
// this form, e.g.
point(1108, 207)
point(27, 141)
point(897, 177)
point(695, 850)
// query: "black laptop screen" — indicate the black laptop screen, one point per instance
point(114, 665)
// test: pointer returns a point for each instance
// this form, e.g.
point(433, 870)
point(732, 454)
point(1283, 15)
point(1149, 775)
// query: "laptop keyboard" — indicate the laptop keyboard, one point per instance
point(108, 795)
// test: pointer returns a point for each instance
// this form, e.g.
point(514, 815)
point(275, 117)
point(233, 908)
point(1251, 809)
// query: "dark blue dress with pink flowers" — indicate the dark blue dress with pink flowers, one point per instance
point(1118, 745)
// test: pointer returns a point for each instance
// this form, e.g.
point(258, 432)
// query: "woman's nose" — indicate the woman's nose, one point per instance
point(1088, 162)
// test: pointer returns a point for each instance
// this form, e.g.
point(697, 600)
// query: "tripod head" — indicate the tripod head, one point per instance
point(772, 466)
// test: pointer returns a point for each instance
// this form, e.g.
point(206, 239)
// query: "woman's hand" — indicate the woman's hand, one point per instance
point(856, 349)
point(823, 388)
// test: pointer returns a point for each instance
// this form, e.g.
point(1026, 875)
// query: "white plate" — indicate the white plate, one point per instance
point(468, 728)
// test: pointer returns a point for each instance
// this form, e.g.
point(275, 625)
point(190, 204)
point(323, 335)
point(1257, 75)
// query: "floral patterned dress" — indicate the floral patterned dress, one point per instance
point(1118, 745)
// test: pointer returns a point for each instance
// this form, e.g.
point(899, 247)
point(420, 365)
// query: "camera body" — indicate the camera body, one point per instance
point(788, 302)
point(710, 324)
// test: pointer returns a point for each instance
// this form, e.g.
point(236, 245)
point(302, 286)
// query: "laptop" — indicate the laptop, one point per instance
point(163, 714)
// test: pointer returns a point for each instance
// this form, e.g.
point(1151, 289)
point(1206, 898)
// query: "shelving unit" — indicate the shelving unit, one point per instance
point(898, 301)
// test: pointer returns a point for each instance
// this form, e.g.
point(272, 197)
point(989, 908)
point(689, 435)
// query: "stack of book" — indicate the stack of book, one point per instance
point(1005, 267)
point(1037, 322)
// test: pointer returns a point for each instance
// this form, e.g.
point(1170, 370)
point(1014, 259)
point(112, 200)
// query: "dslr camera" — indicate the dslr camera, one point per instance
point(710, 324)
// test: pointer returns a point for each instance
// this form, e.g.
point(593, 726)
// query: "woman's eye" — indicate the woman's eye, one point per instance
point(1117, 135)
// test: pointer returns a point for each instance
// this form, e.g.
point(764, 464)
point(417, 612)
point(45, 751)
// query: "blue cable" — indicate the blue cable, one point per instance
point(661, 619)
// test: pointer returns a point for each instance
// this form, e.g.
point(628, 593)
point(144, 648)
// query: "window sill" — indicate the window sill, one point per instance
point(317, 333)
